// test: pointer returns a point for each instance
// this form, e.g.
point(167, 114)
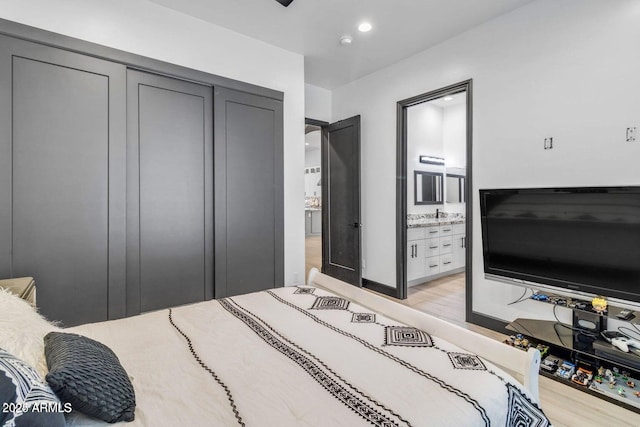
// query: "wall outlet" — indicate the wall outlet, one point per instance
point(548, 143)
point(296, 278)
point(631, 134)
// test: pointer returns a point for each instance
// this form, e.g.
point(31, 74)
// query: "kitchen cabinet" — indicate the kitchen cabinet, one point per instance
point(312, 221)
point(312, 187)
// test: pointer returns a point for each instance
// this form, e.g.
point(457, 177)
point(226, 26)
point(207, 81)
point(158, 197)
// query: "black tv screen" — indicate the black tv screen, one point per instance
point(582, 239)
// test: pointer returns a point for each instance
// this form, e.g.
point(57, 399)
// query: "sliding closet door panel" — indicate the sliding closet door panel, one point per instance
point(60, 154)
point(6, 183)
point(249, 193)
point(174, 142)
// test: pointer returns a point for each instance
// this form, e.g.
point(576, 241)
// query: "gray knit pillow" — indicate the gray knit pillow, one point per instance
point(89, 375)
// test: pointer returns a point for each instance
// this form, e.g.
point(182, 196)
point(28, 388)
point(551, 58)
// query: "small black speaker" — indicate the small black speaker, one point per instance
point(588, 321)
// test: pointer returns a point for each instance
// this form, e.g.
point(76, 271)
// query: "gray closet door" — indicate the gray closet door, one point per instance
point(62, 179)
point(249, 201)
point(170, 192)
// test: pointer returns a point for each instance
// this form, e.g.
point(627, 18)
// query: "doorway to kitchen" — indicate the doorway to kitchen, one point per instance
point(332, 199)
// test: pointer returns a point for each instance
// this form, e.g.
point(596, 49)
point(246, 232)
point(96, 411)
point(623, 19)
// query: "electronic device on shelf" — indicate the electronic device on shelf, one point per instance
point(546, 236)
point(609, 335)
point(626, 315)
point(626, 344)
point(589, 321)
point(607, 351)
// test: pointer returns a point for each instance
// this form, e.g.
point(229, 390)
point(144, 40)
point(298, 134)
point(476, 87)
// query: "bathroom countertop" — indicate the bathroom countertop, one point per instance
point(433, 222)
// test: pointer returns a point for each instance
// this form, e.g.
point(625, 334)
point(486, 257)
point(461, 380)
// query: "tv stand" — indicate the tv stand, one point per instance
point(587, 349)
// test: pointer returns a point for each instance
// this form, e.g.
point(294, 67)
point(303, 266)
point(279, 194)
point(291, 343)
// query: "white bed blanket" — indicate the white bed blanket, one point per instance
point(301, 356)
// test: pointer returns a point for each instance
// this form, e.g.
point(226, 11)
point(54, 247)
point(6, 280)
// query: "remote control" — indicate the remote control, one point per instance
point(626, 315)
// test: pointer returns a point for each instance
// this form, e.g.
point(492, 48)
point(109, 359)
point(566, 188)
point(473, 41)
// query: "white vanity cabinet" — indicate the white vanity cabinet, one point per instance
point(415, 253)
point(459, 246)
point(434, 251)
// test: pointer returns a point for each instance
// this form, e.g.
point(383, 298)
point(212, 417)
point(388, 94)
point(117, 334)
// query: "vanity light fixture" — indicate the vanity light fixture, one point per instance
point(365, 27)
point(432, 160)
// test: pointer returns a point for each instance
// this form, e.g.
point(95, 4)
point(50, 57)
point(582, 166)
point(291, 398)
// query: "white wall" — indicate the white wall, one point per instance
point(440, 132)
point(317, 102)
point(424, 137)
point(454, 140)
point(312, 158)
point(144, 28)
point(454, 135)
point(561, 69)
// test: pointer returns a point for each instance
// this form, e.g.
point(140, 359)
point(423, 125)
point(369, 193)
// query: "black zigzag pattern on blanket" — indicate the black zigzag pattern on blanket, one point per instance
point(318, 360)
point(232, 402)
point(325, 380)
point(396, 359)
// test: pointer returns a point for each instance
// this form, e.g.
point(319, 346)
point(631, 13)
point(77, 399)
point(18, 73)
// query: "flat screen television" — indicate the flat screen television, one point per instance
point(579, 239)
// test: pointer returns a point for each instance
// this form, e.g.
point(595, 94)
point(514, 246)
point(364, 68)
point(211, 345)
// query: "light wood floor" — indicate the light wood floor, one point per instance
point(565, 406)
point(313, 254)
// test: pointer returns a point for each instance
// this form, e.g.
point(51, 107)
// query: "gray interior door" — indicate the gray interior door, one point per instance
point(249, 193)
point(62, 173)
point(341, 200)
point(170, 192)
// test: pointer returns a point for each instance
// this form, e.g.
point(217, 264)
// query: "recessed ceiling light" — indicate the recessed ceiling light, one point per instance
point(448, 98)
point(346, 40)
point(364, 27)
point(306, 143)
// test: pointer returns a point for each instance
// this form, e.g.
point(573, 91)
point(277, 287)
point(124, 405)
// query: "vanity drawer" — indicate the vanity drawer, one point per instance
point(446, 245)
point(415, 233)
point(432, 265)
point(432, 247)
point(446, 262)
point(446, 230)
point(431, 232)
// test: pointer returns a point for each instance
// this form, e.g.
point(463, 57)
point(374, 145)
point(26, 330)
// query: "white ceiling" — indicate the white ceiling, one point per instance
point(456, 99)
point(401, 28)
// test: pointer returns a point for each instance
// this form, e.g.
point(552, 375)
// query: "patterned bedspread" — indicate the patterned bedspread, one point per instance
point(301, 356)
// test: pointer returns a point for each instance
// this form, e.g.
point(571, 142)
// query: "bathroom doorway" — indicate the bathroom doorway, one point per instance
point(434, 170)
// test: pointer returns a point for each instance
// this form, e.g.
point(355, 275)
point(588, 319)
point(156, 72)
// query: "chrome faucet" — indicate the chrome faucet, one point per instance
point(437, 213)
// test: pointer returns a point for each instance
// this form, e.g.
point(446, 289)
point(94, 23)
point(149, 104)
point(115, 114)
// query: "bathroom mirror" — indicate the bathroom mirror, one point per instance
point(455, 188)
point(428, 188)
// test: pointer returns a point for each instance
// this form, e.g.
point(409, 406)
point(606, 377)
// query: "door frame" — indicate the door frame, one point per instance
point(320, 124)
point(401, 186)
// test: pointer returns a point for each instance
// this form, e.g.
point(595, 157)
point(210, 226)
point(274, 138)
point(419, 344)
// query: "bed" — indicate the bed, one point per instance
point(324, 354)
